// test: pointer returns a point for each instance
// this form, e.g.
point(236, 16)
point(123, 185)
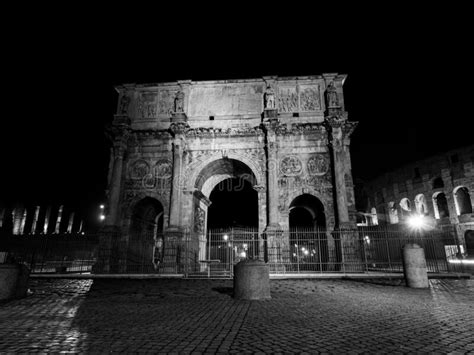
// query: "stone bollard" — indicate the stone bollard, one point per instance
point(252, 280)
point(13, 281)
point(414, 266)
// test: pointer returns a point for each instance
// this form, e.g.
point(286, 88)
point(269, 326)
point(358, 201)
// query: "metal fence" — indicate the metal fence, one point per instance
point(57, 253)
point(295, 251)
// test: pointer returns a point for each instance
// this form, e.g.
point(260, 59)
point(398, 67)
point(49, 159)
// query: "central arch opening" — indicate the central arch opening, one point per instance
point(230, 204)
point(234, 204)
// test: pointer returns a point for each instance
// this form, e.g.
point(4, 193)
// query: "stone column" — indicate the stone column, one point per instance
point(71, 221)
point(23, 221)
point(174, 221)
point(277, 241)
point(272, 176)
point(346, 238)
point(58, 221)
point(2, 214)
point(35, 220)
point(339, 169)
point(17, 218)
point(115, 186)
point(46, 220)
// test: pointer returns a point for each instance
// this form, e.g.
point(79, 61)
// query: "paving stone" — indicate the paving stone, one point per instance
point(190, 316)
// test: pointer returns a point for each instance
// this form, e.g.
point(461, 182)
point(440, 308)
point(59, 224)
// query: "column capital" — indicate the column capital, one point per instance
point(179, 128)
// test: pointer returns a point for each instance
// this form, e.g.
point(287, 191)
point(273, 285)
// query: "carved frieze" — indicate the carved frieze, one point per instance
point(288, 99)
point(147, 104)
point(310, 98)
point(199, 219)
point(318, 164)
point(291, 166)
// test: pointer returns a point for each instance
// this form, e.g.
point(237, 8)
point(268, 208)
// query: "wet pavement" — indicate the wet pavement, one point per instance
point(200, 316)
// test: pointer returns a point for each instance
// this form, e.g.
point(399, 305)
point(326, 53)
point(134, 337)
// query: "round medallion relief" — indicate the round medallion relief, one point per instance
point(318, 164)
point(291, 166)
point(163, 169)
point(139, 169)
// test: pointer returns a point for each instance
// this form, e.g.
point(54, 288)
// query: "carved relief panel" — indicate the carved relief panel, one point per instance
point(199, 219)
point(165, 102)
point(288, 99)
point(310, 98)
point(147, 104)
point(318, 164)
point(291, 166)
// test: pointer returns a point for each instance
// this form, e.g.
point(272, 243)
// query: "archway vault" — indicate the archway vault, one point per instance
point(219, 170)
point(203, 171)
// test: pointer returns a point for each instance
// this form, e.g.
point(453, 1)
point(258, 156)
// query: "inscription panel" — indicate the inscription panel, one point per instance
point(223, 100)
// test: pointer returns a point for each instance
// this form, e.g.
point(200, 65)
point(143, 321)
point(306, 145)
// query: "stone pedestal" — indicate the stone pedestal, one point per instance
point(13, 281)
point(277, 249)
point(414, 266)
point(251, 280)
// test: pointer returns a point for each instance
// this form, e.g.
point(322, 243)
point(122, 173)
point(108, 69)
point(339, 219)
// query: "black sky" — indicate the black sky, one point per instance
point(409, 78)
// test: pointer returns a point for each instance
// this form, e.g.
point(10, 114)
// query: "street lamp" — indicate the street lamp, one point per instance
point(102, 214)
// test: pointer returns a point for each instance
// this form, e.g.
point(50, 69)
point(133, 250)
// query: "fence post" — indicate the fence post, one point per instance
point(343, 261)
point(388, 252)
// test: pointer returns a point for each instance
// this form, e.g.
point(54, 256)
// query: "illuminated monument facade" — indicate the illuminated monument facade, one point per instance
point(173, 143)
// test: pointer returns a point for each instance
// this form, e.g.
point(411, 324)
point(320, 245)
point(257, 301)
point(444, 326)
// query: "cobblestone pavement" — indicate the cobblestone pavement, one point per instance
point(200, 316)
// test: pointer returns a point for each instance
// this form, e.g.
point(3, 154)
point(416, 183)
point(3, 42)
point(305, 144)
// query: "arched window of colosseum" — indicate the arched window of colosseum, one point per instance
point(405, 205)
point(438, 183)
point(462, 200)
point(420, 204)
point(393, 213)
point(440, 205)
point(375, 219)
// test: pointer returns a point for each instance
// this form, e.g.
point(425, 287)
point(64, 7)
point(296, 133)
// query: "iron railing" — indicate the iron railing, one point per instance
point(294, 251)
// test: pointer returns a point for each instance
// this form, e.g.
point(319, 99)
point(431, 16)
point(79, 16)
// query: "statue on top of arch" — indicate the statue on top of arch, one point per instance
point(332, 96)
point(179, 102)
point(269, 98)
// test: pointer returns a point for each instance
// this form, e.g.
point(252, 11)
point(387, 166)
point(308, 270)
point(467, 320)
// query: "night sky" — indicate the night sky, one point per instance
point(408, 85)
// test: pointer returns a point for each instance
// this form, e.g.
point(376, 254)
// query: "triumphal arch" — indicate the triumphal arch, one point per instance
point(173, 143)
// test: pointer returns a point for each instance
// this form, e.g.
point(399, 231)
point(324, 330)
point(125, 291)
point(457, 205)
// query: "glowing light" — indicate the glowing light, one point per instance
point(305, 252)
point(243, 254)
point(367, 239)
point(101, 217)
point(225, 237)
point(457, 261)
point(416, 222)
point(102, 207)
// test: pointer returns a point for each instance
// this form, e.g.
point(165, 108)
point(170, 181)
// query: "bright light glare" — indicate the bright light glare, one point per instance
point(305, 252)
point(102, 217)
point(226, 237)
point(243, 254)
point(102, 207)
point(416, 222)
point(457, 261)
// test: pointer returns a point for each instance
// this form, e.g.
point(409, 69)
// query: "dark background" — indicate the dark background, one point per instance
point(408, 86)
